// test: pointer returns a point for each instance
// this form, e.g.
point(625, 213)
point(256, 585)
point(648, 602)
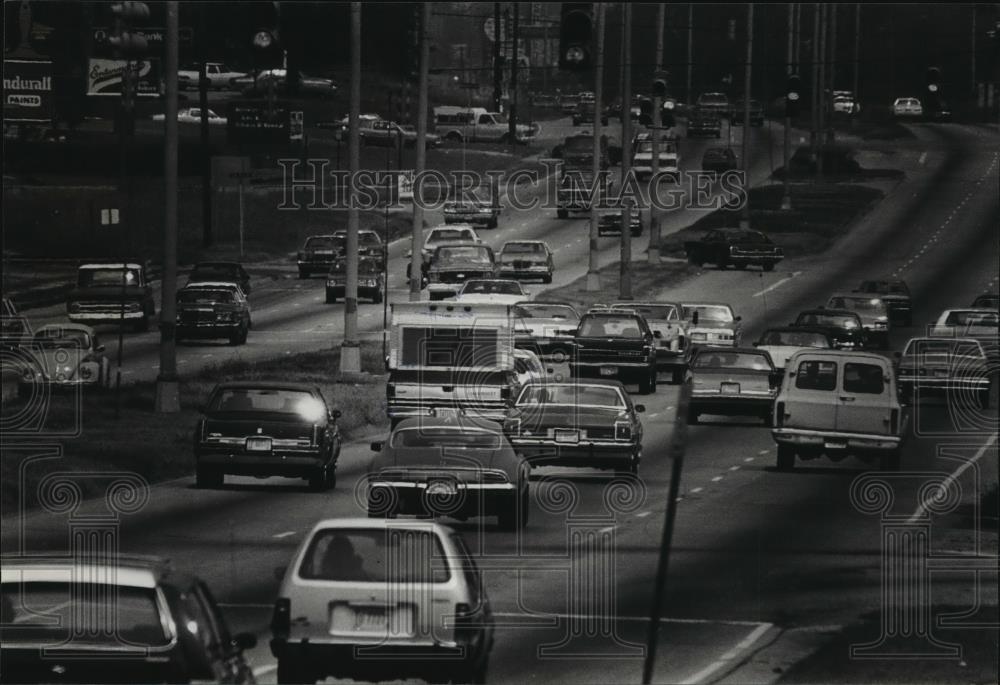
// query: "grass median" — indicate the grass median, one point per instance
point(156, 446)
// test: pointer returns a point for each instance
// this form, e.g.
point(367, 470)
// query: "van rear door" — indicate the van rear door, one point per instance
point(864, 399)
point(811, 396)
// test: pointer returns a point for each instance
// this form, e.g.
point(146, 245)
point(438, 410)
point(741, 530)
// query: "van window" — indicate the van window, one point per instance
point(486, 119)
point(816, 375)
point(863, 378)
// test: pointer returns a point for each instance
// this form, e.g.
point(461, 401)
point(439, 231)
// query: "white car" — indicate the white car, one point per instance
point(642, 160)
point(782, 343)
point(192, 115)
point(845, 105)
point(495, 290)
point(907, 107)
point(522, 259)
point(713, 324)
point(219, 76)
point(361, 592)
point(979, 323)
point(440, 235)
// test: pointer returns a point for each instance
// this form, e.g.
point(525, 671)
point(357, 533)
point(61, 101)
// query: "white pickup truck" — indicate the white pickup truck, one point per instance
point(218, 75)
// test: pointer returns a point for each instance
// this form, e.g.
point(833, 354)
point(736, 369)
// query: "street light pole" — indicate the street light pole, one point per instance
point(350, 350)
point(167, 386)
point(593, 273)
point(745, 152)
point(417, 233)
point(653, 252)
point(786, 198)
point(625, 261)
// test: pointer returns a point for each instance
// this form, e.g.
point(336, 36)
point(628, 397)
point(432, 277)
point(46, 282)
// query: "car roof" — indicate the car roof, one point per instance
point(457, 422)
point(833, 312)
point(796, 329)
point(452, 227)
point(525, 242)
point(846, 355)
point(381, 524)
point(856, 296)
point(129, 570)
point(706, 304)
point(596, 382)
point(209, 285)
point(200, 264)
point(65, 327)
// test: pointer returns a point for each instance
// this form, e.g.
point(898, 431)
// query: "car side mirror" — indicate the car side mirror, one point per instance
point(279, 572)
point(738, 318)
point(377, 446)
point(244, 641)
point(756, 344)
point(694, 318)
point(336, 414)
point(897, 354)
point(640, 408)
point(657, 334)
point(99, 348)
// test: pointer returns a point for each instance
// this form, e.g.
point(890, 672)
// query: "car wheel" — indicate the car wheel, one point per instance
point(515, 515)
point(319, 479)
point(984, 399)
point(786, 458)
point(890, 460)
point(330, 297)
point(547, 278)
point(377, 297)
point(290, 671)
point(677, 376)
point(768, 418)
point(693, 260)
point(205, 477)
point(647, 385)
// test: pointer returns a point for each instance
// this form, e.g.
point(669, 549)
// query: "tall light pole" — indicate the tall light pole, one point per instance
point(653, 253)
point(167, 386)
point(690, 53)
point(815, 87)
point(417, 234)
point(828, 103)
point(821, 88)
point(350, 350)
point(786, 198)
point(745, 148)
point(625, 261)
point(857, 52)
point(593, 272)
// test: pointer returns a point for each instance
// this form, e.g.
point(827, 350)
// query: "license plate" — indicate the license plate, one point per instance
point(609, 370)
point(567, 435)
point(459, 275)
point(370, 620)
point(442, 488)
point(258, 444)
point(835, 444)
point(323, 252)
point(730, 388)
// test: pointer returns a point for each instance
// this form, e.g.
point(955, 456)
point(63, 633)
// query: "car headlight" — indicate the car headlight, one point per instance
point(225, 317)
point(133, 307)
point(699, 336)
point(74, 307)
point(623, 430)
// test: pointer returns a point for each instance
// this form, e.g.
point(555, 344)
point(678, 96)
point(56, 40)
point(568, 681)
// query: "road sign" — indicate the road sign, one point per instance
point(254, 122)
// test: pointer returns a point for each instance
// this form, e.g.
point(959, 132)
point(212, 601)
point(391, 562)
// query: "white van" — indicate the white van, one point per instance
point(477, 125)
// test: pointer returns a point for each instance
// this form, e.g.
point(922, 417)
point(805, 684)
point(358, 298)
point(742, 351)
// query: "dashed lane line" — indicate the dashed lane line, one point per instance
point(777, 284)
point(933, 494)
point(729, 657)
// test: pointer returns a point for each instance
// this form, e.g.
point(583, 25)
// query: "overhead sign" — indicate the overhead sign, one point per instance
point(104, 77)
point(27, 90)
point(251, 122)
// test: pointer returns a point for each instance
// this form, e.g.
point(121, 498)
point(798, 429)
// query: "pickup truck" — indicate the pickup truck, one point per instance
point(219, 76)
point(739, 247)
point(112, 292)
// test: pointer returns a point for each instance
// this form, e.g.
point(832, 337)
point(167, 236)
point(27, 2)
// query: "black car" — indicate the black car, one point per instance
point(896, 296)
point(213, 310)
point(121, 619)
point(703, 122)
point(267, 429)
point(719, 160)
point(224, 272)
point(371, 280)
point(739, 247)
point(739, 110)
point(987, 301)
point(842, 325)
point(319, 253)
point(610, 223)
point(590, 424)
point(615, 345)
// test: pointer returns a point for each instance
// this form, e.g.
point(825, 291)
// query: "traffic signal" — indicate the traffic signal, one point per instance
point(576, 36)
point(933, 79)
point(645, 112)
point(127, 43)
point(793, 95)
point(267, 49)
point(660, 84)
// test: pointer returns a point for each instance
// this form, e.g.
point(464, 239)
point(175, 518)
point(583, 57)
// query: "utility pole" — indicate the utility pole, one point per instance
point(653, 251)
point(167, 390)
point(206, 159)
point(497, 69)
point(745, 148)
point(593, 273)
point(786, 198)
point(625, 262)
point(828, 103)
point(512, 115)
point(972, 52)
point(857, 53)
point(690, 53)
point(350, 351)
point(417, 234)
point(798, 37)
point(814, 84)
point(821, 97)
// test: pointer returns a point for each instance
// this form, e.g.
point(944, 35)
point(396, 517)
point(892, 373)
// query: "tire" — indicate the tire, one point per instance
point(205, 478)
point(238, 338)
point(319, 480)
point(454, 136)
point(890, 460)
point(768, 267)
point(631, 467)
point(508, 519)
point(647, 385)
point(493, 223)
point(142, 325)
point(693, 260)
point(786, 458)
point(330, 297)
point(768, 418)
point(677, 376)
point(290, 673)
point(505, 139)
point(562, 213)
point(984, 399)
point(547, 278)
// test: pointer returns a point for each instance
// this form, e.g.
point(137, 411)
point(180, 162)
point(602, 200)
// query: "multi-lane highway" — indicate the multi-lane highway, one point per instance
point(765, 565)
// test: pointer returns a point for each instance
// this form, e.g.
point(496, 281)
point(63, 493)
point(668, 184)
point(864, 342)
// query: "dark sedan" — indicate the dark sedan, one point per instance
point(319, 253)
point(371, 280)
point(215, 272)
point(213, 310)
point(842, 325)
point(590, 424)
point(719, 160)
point(449, 466)
point(737, 382)
point(896, 295)
point(267, 429)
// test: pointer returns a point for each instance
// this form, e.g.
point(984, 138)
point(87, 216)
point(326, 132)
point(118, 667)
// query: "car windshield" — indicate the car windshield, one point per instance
point(795, 339)
point(492, 288)
point(707, 312)
point(936, 348)
point(110, 276)
point(464, 255)
point(546, 311)
point(972, 318)
point(610, 326)
point(372, 555)
point(829, 320)
point(447, 437)
point(279, 401)
point(885, 287)
point(523, 248)
point(716, 154)
point(868, 305)
point(53, 338)
point(652, 312)
point(323, 243)
point(205, 296)
point(449, 234)
point(571, 395)
point(719, 359)
point(57, 612)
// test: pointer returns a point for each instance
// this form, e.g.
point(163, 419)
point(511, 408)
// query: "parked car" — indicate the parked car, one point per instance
point(525, 259)
point(65, 355)
point(544, 327)
point(192, 115)
point(843, 326)
point(589, 424)
point(736, 246)
point(454, 264)
point(704, 122)
point(472, 212)
point(954, 368)
point(371, 280)
point(719, 160)
point(838, 403)
point(122, 619)
point(496, 290)
point(673, 349)
point(782, 343)
point(738, 382)
point(207, 310)
point(908, 108)
point(432, 618)
point(874, 314)
point(895, 294)
point(112, 293)
point(319, 253)
point(478, 125)
point(845, 105)
point(738, 109)
point(617, 345)
point(383, 133)
point(214, 272)
point(254, 428)
point(479, 474)
point(219, 76)
point(713, 323)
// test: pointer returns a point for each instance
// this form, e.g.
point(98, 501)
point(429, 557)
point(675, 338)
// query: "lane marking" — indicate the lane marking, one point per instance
point(729, 656)
point(607, 529)
point(643, 514)
point(924, 503)
point(777, 284)
point(696, 490)
point(633, 619)
point(734, 468)
point(923, 157)
point(286, 534)
point(264, 670)
point(748, 459)
point(717, 479)
point(763, 452)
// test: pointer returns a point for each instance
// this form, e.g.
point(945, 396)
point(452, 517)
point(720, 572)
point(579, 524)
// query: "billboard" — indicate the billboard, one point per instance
point(253, 122)
point(27, 90)
point(104, 77)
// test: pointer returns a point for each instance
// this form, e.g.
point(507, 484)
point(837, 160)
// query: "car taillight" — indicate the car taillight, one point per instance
point(894, 421)
point(623, 430)
point(281, 619)
point(779, 415)
point(505, 392)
